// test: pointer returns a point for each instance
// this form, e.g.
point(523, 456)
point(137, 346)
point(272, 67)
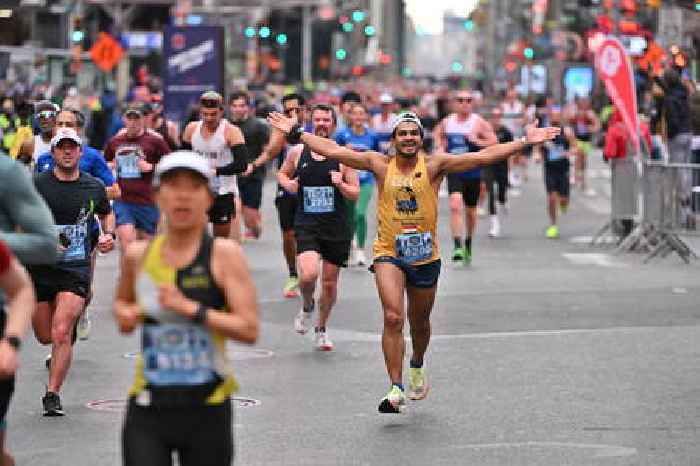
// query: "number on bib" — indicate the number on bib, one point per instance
point(127, 166)
point(319, 199)
point(414, 247)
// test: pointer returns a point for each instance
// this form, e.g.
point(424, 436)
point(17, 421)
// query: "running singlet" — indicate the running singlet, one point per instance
point(407, 216)
point(216, 150)
point(383, 129)
point(457, 133)
point(321, 205)
point(556, 149)
point(360, 143)
point(181, 363)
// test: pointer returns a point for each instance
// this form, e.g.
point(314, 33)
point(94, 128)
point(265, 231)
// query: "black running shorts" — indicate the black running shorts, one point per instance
point(334, 251)
point(47, 284)
point(556, 177)
point(286, 211)
point(201, 435)
point(250, 189)
point(223, 210)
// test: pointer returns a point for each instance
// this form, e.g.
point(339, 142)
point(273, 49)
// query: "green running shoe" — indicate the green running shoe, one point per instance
point(458, 255)
point(467, 261)
point(291, 287)
point(417, 383)
point(394, 402)
point(552, 232)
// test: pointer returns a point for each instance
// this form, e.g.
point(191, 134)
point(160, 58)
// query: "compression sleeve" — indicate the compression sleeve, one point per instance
point(23, 207)
point(239, 164)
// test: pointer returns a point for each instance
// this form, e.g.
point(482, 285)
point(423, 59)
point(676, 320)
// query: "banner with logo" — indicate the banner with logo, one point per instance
point(615, 70)
point(193, 64)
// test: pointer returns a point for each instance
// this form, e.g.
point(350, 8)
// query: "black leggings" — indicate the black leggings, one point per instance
point(497, 176)
point(201, 435)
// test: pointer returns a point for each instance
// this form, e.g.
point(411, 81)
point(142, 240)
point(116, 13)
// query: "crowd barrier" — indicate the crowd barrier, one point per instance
point(662, 199)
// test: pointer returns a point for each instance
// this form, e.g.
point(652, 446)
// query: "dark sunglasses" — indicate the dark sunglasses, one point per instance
point(462, 100)
point(210, 103)
point(46, 114)
point(408, 132)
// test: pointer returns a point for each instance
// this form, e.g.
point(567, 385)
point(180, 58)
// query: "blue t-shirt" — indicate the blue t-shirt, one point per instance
point(360, 143)
point(91, 162)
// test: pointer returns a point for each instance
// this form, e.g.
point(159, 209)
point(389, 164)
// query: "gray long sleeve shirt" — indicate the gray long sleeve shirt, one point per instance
point(26, 223)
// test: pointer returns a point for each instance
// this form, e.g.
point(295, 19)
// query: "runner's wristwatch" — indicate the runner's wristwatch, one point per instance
point(295, 134)
point(14, 341)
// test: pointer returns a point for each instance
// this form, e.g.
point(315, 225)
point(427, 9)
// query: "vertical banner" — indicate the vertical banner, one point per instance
point(193, 64)
point(615, 70)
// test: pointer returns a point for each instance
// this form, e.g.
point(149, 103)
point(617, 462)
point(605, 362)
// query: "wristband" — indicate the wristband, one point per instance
point(14, 341)
point(200, 317)
point(295, 134)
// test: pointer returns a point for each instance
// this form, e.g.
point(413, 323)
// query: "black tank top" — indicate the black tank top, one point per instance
point(321, 205)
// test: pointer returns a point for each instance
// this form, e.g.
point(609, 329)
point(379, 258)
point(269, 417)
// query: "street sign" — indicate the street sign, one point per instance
point(106, 52)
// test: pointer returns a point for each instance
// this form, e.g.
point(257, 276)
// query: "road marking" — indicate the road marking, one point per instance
point(607, 239)
point(592, 258)
point(117, 406)
point(600, 450)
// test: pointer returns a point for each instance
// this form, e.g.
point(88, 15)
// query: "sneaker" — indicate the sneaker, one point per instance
point(291, 287)
point(467, 257)
point(417, 383)
point(394, 402)
point(52, 405)
point(552, 232)
point(323, 343)
point(495, 230)
point(84, 326)
point(360, 258)
point(458, 255)
point(302, 322)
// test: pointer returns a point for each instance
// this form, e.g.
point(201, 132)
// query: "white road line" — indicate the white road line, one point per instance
point(592, 258)
point(600, 450)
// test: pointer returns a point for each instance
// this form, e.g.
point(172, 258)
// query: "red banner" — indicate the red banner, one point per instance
point(615, 70)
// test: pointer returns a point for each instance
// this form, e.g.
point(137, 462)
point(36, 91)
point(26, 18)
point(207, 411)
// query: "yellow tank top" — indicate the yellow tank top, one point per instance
point(180, 362)
point(407, 216)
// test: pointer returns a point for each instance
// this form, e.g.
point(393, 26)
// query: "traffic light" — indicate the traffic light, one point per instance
point(348, 27)
point(341, 54)
point(457, 67)
point(469, 25)
point(358, 16)
point(529, 53)
point(281, 38)
point(250, 32)
point(77, 35)
point(370, 31)
point(264, 32)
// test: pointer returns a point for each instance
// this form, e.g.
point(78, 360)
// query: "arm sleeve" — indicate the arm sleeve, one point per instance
point(36, 243)
point(239, 164)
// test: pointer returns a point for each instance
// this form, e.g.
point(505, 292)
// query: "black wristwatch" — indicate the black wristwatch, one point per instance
point(14, 341)
point(295, 134)
point(200, 316)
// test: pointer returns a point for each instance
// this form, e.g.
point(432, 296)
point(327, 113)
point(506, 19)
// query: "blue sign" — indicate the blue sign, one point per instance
point(193, 64)
point(578, 81)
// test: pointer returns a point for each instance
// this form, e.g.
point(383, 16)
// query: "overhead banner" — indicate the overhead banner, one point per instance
point(615, 70)
point(193, 64)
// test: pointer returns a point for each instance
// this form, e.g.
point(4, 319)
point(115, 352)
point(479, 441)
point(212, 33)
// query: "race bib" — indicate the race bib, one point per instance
point(555, 152)
point(319, 199)
point(72, 238)
point(414, 247)
point(128, 166)
point(177, 354)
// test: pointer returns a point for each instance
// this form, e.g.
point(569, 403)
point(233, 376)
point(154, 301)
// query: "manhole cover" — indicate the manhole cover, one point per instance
point(118, 406)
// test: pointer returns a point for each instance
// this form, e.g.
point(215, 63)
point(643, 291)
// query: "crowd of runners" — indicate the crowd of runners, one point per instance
point(176, 206)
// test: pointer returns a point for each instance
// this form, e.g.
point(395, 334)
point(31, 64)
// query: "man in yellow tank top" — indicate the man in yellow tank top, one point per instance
point(406, 254)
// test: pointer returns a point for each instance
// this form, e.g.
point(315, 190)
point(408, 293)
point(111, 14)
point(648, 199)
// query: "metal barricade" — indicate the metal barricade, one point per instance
point(624, 194)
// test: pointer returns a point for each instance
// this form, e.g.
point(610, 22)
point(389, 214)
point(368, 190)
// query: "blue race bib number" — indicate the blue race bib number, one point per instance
point(414, 247)
point(177, 354)
point(319, 199)
point(128, 166)
point(73, 239)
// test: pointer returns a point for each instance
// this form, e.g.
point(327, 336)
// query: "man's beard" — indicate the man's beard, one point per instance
point(321, 132)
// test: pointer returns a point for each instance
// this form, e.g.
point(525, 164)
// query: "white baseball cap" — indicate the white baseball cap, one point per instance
point(185, 159)
point(386, 98)
point(66, 133)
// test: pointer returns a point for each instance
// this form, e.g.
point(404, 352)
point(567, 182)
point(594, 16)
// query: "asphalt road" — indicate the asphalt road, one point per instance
point(544, 353)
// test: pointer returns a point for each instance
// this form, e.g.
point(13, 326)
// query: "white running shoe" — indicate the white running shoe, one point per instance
point(360, 258)
point(495, 230)
point(323, 343)
point(302, 321)
point(84, 326)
